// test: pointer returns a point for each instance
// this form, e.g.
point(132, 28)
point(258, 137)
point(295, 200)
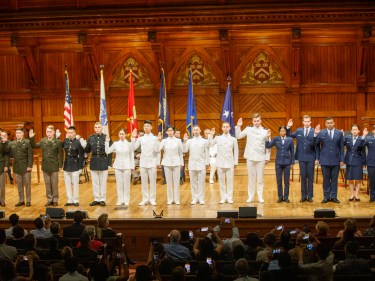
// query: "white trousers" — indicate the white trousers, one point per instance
point(212, 171)
point(99, 185)
point(72, 178)
point(255, 171)
point(146, 174)
point(123, 186)
point(226, 183)
point(172, 177)
point(197, 184)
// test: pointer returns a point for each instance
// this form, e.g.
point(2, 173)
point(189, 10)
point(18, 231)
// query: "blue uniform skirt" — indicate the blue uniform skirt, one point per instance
point(354, 172)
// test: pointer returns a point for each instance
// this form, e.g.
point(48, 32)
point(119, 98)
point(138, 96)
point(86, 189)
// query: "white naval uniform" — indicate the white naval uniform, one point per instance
point(123, 165)
point(147, 163)
point(213, 153)
point(172, 161)
point(226, 159)
point(198, 159)
point(255, 154)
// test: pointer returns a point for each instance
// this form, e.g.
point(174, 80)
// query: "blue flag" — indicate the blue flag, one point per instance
point(163, 106)
point(227, 111)
point(191, 116)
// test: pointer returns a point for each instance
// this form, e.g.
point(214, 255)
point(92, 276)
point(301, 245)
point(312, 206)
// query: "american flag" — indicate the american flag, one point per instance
point(68, 106)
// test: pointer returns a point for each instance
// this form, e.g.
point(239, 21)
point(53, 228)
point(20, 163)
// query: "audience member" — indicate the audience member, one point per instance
point(322, 229)
point(43, 273)
point(227, 243)
point(348, 235)
point(59, 267)
point(371, 230)
point(158, 259)
point(204, 248)
point(178, 274)
point(18, 240)
point(352, 223)
point(6, 252)
point(142, 273)
point(265, 255)
point(76, 229)
point(84, 252)
point(287, 270)
point(174, 249)
point(253, 244)
point(42, 228)
point(103, 230)
point(95, 245)
point(8, 271)
point(53, 252)
point(238, 253)
point(352, 265)
point(62, 241)
point(13, 220)
point(186, 240)
point(204, 271)
point(242, 269)
point(286, 240)
point(30, 244)
point(71, 265)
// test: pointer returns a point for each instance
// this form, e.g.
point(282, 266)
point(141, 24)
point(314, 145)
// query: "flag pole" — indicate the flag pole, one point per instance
point(131, 77)
point(162, 123)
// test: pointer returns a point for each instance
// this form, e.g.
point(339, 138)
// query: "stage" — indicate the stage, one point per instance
point(269, 209)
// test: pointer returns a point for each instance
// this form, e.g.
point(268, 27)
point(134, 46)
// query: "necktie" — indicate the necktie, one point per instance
point(354, 139)
point(330, 134)
point(306, 130)
point(282, 140)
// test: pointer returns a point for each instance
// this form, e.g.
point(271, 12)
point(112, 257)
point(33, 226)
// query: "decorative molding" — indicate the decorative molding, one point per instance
point(202, 74)
point(262, 70)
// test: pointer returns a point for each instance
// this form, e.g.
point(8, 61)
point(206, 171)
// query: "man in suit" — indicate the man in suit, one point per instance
point(227, 160)
point(99, 164)
point(256, 154)
point(330, 143)
point(284, 158)
point(76, 229)
point(306, 155)
point(23, 164)
point(4, 166)
point(52, 160)
point(73, 165)
point(369, 142)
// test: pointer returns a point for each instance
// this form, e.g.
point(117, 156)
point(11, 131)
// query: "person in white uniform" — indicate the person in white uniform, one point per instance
point(123, 165)
point(172, 162)
point(227, 159)
point(198, 159)
point(147, 163)
point(212, 152)
point(256, 155)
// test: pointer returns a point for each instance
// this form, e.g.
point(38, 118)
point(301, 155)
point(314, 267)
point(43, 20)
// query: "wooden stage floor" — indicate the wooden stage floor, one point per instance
point(270, 209)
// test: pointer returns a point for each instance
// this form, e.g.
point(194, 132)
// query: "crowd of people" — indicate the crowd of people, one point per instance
point(324, 147)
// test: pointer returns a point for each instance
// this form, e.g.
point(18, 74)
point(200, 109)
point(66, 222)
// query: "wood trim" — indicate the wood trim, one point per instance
point(330, 113)
point(124, 117)
point(256, 90)
point(273, 115)
point(213, 116)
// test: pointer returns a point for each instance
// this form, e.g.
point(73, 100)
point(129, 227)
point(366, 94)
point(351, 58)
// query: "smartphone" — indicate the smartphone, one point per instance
point(44, 217)
point(276, 251)
point(227, 220)
point(204, 228)
point(191, 234)
point(25, 258)
point(293, 231)
point(209, 261)
point(279, 227)
point(310, 247)
point(187, 268)
point(156, 256)
point(307, 236)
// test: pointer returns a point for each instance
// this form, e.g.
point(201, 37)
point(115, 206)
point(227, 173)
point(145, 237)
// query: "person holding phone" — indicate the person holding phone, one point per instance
point(204, 247)
point(174, 249)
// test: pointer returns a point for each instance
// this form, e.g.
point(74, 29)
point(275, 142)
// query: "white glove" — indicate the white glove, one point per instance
point(58, 133)
point(83, 142)
point(80, 171)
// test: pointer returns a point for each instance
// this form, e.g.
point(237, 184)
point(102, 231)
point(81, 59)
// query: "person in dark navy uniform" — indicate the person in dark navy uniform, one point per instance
point(330, 143)
point(306, 155)
point(355, 157)
point(99, 164)
point(73, 165)
point(284, 159)
point(369, 142)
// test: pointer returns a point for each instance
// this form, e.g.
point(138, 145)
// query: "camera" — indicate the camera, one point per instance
point(191, 234)
point(187, 268)
point(276, 251)
point(227, 220)
point(209, 261)
point(310, 247)
point(307, 236)
point(25, 258)
point(293, 231)
point(279, 227)
point(156, 256)
point(204, 228)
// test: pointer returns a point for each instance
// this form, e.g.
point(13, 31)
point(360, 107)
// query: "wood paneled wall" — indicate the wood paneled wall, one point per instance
point(327, 68)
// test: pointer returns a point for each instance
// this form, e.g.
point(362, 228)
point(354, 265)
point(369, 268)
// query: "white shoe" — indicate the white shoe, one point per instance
point(230, 201)
point(153, 203)
point(201, 202)
point(177, 203)
point(222, 201)
point(142, 203)
point(211, 181)
point(169, 202)
point(127, 204)
point(261, 200)
point(249, 200)
point(118, 204)
point(193, 202)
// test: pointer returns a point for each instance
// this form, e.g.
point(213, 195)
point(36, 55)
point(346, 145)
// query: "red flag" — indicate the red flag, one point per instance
point(132, 114)
point(68, 106)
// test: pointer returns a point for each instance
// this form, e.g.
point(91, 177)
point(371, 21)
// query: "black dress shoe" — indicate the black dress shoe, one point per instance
point(324, 201)
point(372, 200)
point(357, 199)
point(310, 200)
point(302, 200)
point(76, 204)
point(280, 200)
point(94, 203)
point(28, 204)
point(20, 204)
point(48, 204)
point(102, 203)
point(131, 262)
point(287, 201)
point(68, 204)
point(351, 199)
point(2, 204)
point(335, 200)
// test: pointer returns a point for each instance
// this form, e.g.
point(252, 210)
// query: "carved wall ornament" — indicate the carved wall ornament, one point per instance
point(141, 76)
point(262, 70)
point(202, 74)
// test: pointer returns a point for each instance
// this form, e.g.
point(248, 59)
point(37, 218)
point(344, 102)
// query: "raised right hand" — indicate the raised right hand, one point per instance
point(317, 129)
point(186, 137)
point(290, 123)
point(107, 138)
point(365, 132)
point(160, 136)
point(31, 133)
point(239, 122)
point(269, 133)
point(134, 133)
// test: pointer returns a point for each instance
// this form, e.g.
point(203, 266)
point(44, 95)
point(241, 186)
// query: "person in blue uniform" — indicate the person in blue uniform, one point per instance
point(355, 157)
point(369, 142)
point(284, 159)
point(330, 144)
